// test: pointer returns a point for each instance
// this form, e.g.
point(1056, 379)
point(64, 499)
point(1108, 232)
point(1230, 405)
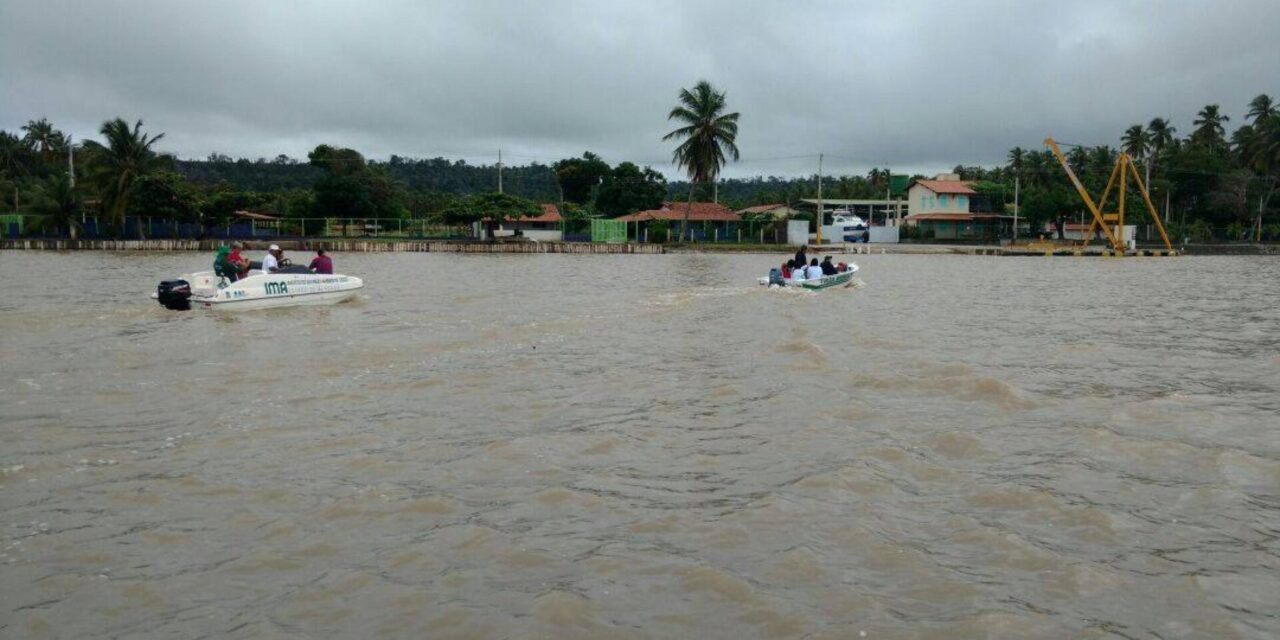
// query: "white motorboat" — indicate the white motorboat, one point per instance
point(834, 280)
point(293, 286)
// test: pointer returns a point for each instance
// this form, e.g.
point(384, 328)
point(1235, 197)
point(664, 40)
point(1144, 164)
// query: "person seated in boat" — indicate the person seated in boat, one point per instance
point(814, 271)
point(271, 261)
point(321, 263)
point(801, 258)
point(786, 268)
point(828, 269)
point(842, 267)
point(222, 266)
point(238, 261)
point(797, 271)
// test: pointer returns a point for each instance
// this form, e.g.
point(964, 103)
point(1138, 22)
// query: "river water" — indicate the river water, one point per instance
point(519, 446)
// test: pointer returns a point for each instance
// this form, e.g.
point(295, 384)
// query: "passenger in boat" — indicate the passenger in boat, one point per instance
point(797, 271)
point(801, 258)
point(842, 267)
point(828, 269)
point(814, 271)
point(222, 266)
point(237, 261)
point(786, 268)
point(271, 261)
point(321, 263)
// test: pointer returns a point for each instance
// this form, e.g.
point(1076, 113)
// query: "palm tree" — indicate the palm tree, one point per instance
point(1261, 107)
point(1209, 130)
point(42, 137)
point(126, 157)
point(1258, 146)
point(1137, 143)
point(1016, 158)
point(58, 206)
point(1037, 167)
point(14, 155)
point(878, 179)
point(1159, 137)
point(708, 133)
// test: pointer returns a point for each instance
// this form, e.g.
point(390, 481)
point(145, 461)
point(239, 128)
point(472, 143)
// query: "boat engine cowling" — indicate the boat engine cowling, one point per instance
point(174, 294)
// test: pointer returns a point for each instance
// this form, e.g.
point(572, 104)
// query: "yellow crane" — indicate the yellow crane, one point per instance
point(1111, 223)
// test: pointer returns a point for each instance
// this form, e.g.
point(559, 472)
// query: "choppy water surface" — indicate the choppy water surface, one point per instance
point(645, 447)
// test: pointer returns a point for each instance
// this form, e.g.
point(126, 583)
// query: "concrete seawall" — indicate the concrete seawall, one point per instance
point(340, 246)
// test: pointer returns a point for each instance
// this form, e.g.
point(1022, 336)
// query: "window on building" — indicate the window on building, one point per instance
point(962, 202)
point(942, 201)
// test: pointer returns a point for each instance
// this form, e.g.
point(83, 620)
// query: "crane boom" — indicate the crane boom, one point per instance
point(1084, 195)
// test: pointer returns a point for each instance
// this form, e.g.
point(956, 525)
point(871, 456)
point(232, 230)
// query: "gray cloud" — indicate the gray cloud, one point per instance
point(913, 85)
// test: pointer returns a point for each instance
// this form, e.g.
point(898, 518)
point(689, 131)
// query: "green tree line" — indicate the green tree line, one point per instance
point(1200, 180)
point(1205, 179)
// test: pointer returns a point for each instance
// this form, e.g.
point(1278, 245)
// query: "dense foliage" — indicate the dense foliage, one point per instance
point(1205, 179)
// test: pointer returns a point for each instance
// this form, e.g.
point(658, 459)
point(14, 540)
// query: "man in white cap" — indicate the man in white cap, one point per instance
point(271, 261)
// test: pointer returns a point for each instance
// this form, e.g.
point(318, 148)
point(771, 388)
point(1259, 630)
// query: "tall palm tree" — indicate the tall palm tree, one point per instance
point(1017, 156)
point(58, 206)
point(1159, 137)
point(878, 178)
point(1258, 148)
point(14, 155)
point(1261, 107)
point(708, 134)
point(42, 137)
point(1137, 143)
point(1209, 126)
point(126, 157)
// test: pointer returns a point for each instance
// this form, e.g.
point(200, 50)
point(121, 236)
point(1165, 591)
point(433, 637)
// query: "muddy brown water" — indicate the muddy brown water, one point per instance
point(645, 447)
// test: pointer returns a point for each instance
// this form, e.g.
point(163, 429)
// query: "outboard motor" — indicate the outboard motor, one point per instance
point(775, 277)
point(174, 294)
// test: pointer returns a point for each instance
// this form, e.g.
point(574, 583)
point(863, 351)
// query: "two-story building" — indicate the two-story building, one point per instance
point(949, 209)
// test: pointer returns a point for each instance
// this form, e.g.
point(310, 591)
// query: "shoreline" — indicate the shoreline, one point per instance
point(465, 246)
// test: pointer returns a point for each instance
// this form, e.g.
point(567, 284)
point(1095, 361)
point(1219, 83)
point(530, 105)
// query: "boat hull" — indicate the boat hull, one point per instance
point(272, 302)
point(826, 282)
point(268, 291)
point(841, 279)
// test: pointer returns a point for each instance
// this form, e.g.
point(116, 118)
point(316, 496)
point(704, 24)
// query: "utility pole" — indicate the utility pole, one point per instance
point(821, 217)
point(71, 162)
point(1016, 185)
point(499, 170)
point(1258, 236)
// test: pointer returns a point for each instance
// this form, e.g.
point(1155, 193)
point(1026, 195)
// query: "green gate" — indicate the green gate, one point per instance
point(11, 225)
point(608, 231)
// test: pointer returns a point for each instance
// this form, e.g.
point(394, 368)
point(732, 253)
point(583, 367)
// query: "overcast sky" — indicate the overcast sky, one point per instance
point(914, 85)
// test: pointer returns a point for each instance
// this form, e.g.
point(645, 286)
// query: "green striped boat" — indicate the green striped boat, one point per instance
point(825, 282)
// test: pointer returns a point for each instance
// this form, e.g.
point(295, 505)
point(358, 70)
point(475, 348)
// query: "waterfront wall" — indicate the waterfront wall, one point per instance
point(339, 246)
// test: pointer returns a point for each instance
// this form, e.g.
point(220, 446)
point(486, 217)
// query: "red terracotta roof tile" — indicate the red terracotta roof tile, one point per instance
point(960, 187)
